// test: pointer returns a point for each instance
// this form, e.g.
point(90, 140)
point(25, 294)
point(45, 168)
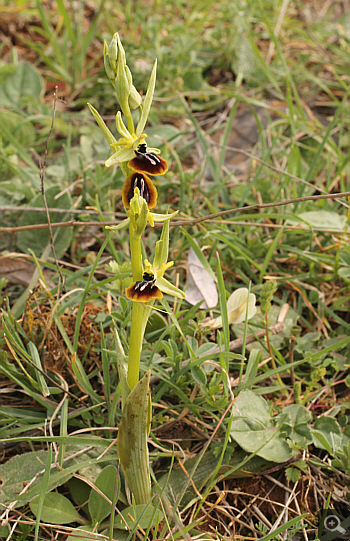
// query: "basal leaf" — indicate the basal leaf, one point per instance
point(254, 430)
point(99, 507)
point(57, 509)
point(23, 83)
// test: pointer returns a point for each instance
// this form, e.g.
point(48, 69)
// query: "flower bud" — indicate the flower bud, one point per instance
point(111, 74)
point(135, 99)
point(113, 52)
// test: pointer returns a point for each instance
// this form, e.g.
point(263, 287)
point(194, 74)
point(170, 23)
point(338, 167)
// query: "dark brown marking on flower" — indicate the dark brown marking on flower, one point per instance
point(145, 186)
point(144, 290)
point(148, 162)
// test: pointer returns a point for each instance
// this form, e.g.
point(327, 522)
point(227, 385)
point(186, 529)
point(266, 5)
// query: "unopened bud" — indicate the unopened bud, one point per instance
point(135, 99)
point(111, 74)
point(113, 52)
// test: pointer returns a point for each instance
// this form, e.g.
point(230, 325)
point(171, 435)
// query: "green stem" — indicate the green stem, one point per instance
point(139, 318)
point(136, 257)
point(140, 314)
point(130, 121)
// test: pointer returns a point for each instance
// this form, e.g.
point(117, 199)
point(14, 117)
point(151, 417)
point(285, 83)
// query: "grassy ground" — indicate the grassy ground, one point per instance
point(251, 111)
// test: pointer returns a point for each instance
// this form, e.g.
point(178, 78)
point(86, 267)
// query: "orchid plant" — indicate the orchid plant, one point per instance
point(138, 163)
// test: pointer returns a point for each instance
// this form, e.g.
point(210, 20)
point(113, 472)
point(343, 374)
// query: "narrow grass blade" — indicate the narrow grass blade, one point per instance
point(37, 362)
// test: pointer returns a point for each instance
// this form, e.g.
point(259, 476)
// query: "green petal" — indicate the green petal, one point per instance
point(122, 155)
point(163, 217)
point(122, 225)
point(169, 289)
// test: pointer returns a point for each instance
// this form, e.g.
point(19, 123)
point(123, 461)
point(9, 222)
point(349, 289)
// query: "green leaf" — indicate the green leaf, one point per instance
point(99, 507)
point(4, 532)
point(57, 509)
point(25, 82)
point(198, 375)
point(252, 366)
point(297, 423)
point(38, 239)
point(80, 493)
point(20, 127)
point(293, 474)
point(18, 470)
point(39, 375)
point(80, 534)
point(327, 434)
point(144, 515)
point(254, 430)
point(324, 219)
point(132, 440)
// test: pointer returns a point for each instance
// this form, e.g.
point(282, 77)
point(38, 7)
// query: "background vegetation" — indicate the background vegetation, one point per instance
point(251, 108)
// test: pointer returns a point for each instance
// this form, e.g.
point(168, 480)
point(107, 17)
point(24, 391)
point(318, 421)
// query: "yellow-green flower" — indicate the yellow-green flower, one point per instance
point(153, 284)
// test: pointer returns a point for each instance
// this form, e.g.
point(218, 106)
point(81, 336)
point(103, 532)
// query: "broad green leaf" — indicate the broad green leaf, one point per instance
point(57, 509)
point(38, 239)
point(80, 493)
point(118, 535)
point(99, 507)
point(20, 128)
point(143, 515)
point(18, 470)
point(198, 375)
point(80, 534)
point(24, 83)
point(80, 464)
point(327, 434)
point(254, 430)
point(324, 219)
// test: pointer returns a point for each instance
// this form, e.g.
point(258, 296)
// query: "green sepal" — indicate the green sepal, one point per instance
point(162, 247)
point(125, 223)
point(158, 218)
point(169, 289)
point(122, 155)
point(148, 101)
point(106, 132)
point(132, 440)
